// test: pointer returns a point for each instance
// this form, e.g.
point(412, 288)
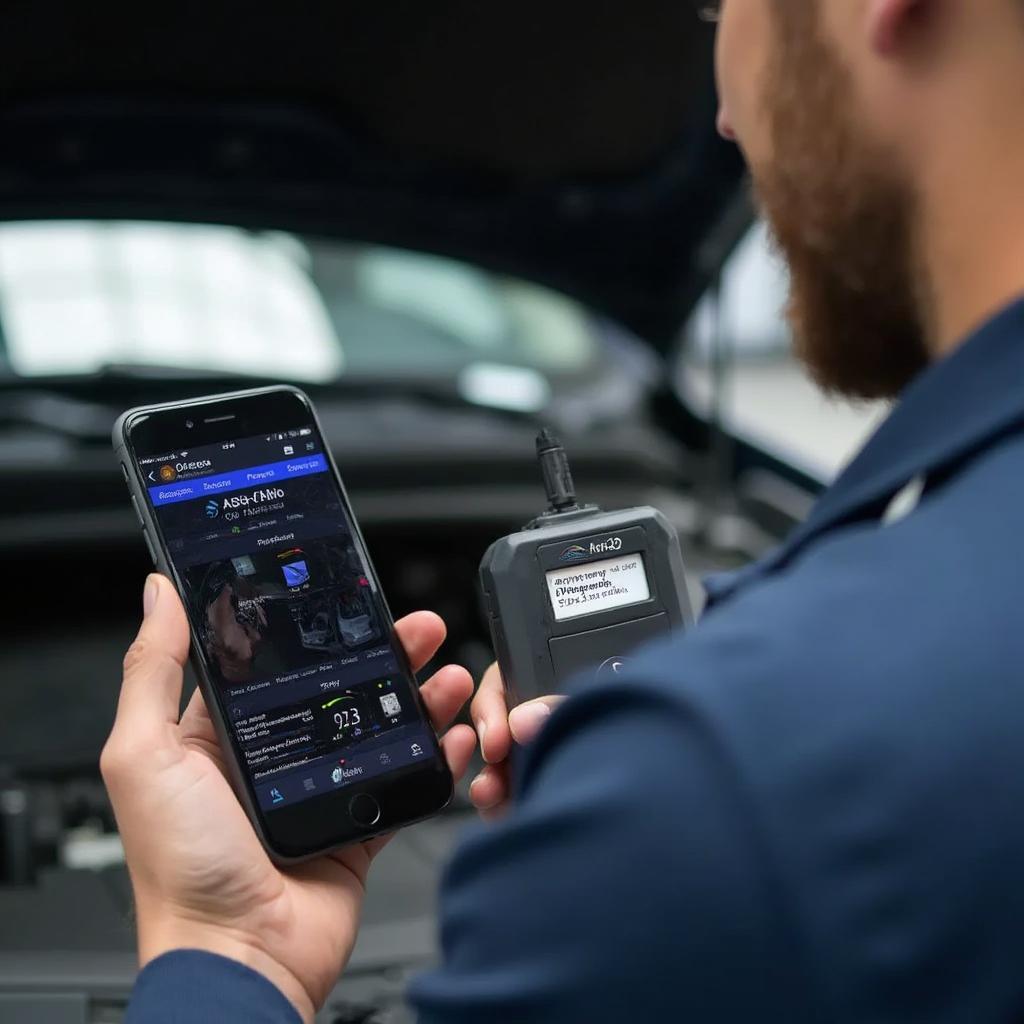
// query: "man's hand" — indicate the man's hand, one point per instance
point(200, 876)
point(497, 729)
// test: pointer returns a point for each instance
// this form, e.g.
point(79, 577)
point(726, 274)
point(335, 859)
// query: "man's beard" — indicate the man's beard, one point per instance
point(842, 218)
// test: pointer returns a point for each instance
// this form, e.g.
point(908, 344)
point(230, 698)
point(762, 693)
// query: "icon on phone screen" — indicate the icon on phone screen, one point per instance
point(295, 573)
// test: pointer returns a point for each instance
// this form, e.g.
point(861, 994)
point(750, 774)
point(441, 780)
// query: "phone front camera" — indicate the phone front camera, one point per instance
point(190, 424)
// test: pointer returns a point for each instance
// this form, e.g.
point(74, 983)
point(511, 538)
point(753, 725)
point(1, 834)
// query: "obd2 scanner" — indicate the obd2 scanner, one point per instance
point(579, 589)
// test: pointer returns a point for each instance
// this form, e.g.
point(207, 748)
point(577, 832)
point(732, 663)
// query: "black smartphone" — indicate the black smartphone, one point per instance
point(293, 645)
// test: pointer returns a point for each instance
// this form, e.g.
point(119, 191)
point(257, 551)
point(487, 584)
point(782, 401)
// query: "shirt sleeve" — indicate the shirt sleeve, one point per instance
point(627, 884)
point(189, 986)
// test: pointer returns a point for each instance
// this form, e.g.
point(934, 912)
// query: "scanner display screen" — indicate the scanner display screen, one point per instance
point(598, 586)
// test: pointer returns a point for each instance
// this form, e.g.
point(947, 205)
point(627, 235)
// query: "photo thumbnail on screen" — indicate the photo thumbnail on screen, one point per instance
point(285, 606)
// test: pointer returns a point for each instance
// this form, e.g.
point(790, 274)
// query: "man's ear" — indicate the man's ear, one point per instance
point(890, 23)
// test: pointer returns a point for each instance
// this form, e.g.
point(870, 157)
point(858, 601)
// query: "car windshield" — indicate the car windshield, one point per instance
point(79, 296)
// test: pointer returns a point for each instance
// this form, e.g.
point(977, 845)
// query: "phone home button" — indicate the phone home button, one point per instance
point(364, 809)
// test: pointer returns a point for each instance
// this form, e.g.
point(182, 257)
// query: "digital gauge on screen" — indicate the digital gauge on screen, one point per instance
point(345, 717)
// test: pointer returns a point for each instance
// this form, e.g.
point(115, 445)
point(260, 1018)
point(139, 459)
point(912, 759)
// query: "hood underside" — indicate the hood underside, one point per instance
point(568, 142)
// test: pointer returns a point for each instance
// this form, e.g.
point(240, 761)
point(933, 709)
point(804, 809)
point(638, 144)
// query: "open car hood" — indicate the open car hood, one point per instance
point(569, 142)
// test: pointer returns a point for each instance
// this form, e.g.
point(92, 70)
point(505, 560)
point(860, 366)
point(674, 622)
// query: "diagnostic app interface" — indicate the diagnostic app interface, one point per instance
point(287, 614)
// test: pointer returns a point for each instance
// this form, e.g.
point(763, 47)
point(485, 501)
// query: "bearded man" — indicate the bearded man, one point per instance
point(807, 808)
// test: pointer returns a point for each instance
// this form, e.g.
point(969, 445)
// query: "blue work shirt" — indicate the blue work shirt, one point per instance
point(810, 807)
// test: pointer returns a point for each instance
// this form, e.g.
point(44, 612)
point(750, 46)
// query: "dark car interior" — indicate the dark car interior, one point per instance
point(570, 146)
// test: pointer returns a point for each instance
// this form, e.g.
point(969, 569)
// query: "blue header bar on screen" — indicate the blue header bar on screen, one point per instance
point(252, 476)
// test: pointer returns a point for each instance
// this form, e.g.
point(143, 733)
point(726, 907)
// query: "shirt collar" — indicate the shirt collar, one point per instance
point(957, 406)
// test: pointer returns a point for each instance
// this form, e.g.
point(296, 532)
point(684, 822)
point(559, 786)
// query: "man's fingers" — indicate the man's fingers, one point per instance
point(421, 634)
point(527, 719)
point(490, 717)
point(490, 788)
point(153, 677)
point(458, 745)
point(445, 692)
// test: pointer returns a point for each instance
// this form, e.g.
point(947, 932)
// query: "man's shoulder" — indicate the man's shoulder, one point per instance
point(868, 619)
point(869, 615)
point(891, 654)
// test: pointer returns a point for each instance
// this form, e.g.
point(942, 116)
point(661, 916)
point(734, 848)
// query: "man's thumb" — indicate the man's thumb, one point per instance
point(527, 719)
point(153, 676)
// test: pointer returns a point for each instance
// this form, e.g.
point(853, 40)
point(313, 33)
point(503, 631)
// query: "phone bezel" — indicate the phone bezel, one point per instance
point(315, 825)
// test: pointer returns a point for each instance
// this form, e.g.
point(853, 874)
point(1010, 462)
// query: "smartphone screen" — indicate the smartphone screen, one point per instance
point(286, 613)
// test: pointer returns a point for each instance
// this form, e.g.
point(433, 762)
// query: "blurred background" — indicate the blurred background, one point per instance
point(451, 223)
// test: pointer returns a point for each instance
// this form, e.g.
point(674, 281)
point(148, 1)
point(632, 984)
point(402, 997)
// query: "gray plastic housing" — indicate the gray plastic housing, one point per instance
point(537, 652)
